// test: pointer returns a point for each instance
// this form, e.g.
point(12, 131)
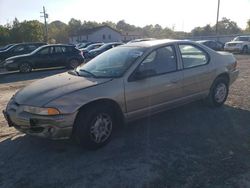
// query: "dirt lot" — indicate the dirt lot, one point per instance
point(192, 146)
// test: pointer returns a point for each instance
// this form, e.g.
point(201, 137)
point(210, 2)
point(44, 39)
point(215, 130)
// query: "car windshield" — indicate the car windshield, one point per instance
point(241, 39)
point(112, 63)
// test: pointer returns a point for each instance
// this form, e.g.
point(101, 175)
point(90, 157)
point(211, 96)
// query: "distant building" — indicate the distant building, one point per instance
point(103, 34)
point(97, 34)
point(128, 36)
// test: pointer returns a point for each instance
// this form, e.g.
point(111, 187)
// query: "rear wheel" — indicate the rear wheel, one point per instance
point(25, 67)
point(73, 63)
point(218, 92)
point(93, 127)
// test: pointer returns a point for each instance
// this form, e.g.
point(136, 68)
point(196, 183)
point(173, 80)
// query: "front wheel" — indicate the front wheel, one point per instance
point(25, 67)
point(218, 92)
point(93, 127)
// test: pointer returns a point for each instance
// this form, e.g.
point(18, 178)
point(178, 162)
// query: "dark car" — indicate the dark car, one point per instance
point(45, 57)
point(18, 49)
point(83, 45)
point(215, 45)
point(105, 47)
point(90, 47)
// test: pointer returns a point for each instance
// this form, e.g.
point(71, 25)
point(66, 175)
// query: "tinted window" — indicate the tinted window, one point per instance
point(162, 60)
point(58, 50)
point(192, 56)
point(44, 51)
point(31, 47)
point(19, 48)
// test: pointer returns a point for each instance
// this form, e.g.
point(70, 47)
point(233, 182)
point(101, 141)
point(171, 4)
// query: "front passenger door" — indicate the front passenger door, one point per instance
point(155, 82)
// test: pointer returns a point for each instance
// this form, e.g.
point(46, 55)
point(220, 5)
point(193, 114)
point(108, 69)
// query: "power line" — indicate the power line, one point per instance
point(45, 16)
point(217, 19)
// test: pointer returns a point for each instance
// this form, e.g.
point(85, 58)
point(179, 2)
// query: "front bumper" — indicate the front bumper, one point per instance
point(53, 127)
point(233, 49)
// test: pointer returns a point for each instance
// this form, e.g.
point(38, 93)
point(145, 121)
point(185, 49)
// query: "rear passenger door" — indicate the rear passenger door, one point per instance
point(57, 56)
point(197, 71)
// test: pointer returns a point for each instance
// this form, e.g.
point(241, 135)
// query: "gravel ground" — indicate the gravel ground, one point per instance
point(191, 146)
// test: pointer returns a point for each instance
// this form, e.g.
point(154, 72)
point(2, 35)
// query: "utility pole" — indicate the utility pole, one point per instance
point(45, 16)
point(218, 12)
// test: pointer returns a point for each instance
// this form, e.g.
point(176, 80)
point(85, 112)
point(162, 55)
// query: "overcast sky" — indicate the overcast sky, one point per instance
point(178, 14)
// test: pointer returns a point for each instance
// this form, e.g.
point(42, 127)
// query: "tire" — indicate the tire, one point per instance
point(25, 67)
point(245, 50)
point(93, 127)
point(73, 63)
point(218, 92)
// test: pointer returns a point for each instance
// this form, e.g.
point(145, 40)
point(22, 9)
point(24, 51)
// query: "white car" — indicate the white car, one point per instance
point(239, 44)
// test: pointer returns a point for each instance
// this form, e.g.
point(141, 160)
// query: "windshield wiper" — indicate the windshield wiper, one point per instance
point(90, 73)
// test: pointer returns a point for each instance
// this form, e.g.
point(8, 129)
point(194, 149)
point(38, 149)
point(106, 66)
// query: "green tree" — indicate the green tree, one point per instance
point(58, 31)
point(4, 35)
point(226, 26)
point(248, 26)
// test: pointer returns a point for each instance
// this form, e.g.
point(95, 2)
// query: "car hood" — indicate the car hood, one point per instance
point(18, 56)
point(45, 90)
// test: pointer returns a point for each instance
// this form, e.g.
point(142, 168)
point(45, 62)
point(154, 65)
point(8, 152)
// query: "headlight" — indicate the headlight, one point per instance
point(239, 45)
point(9, 61)
point(41, 111)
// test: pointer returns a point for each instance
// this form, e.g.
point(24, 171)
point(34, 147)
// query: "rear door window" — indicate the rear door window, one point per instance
point(58, 50)
point(192, 56)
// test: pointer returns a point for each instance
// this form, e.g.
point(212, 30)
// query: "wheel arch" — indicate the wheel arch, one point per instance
point(108, 103)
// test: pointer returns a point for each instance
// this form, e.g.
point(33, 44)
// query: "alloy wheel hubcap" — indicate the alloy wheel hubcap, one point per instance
point(220, 92)
point(101, 128)
point(25, 68)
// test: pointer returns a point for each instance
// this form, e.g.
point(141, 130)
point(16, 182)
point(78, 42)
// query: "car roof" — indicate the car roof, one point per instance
point(67, 45)
point(152, 43)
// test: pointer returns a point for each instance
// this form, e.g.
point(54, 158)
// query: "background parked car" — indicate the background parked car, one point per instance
point(83, 45)
point(90, 47)
point(18, 49)
point(46, 56)
point(105, 47)
point(2, 48)
point(215, 45)
point(239, 44)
